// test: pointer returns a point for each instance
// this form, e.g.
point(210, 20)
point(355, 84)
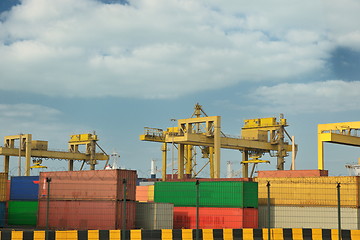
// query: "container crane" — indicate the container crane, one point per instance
point(38, 150)
point(204, 131)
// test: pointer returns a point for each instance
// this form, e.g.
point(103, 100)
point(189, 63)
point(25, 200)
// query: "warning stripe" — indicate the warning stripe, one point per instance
point(184, 234)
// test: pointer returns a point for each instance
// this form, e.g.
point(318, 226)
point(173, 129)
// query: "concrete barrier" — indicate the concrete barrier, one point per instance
point(184, 234)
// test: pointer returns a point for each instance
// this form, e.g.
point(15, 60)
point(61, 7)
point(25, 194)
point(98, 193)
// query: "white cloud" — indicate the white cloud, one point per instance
point(43, 122)
point(327, 96)
point(159, 49)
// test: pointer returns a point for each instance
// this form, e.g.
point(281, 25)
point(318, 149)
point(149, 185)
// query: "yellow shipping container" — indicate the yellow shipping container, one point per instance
point(4, 187)
point(151, 193)
point(310, 191)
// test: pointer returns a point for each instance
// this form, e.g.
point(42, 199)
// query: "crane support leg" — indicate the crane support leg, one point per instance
point(181, 158)
point(164, 160)
point(245, 166)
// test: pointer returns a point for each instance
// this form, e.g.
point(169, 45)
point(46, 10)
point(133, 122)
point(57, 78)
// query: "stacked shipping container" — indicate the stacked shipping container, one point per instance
point(23, 204)
point(222, 204)
point(4, 196)
point(87, 199)
point(304, 202)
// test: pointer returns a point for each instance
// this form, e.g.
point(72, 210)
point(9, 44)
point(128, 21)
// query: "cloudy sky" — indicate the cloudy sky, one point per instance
point(115, 67)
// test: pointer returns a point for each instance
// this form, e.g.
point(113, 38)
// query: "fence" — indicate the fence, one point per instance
point(109, 199)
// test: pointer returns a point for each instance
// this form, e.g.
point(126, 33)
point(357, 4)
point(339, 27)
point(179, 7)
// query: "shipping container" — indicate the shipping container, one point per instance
point(308, 217)
point(2, 214)
point(89, 185)
point(3, 186)
point(86, 215)
point(212, 180)
point(22, 213)
point(24, 188)
point(215, 218)
point(142, 193)
point(311, 191)
point(293, 173)
point(211, 194)
point(154, 216)
point(151, 193)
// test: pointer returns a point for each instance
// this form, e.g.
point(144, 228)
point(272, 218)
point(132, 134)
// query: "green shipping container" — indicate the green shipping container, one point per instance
point(211, 194)
point(22, 212)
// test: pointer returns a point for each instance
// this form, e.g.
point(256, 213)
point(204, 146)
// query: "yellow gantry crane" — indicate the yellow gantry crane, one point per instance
point(38, 150)
point(204, 131)
point(345, 133)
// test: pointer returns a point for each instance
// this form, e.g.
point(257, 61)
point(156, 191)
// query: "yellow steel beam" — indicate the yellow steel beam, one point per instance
point(228, 143)
point(341, 139)
point(339, 133)
point(338, 126)
point(52, 154)
point(152, 138)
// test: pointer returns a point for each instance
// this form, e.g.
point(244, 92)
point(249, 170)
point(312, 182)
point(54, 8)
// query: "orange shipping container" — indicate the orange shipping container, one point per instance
point(88, 185)
point(215, 218)
point(86, 215)
point(142, 193)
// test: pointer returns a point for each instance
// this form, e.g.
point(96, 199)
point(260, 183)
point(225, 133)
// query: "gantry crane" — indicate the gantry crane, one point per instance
point(38, 150)
point(345, 133)
point(205, 132)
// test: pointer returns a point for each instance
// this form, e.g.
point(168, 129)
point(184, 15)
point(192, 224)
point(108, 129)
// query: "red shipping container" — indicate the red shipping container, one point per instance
point(88, 185)
point(215, 218)
point(84, 215)
point(293, 173)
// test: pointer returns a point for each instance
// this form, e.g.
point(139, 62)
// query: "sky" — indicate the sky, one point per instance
point(114, 67)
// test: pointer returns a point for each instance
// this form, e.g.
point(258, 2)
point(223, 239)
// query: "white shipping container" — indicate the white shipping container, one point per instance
point(154, 215)
point(308, 217)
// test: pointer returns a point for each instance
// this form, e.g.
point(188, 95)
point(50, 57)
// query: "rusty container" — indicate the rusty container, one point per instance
point(86, 215)
point(88, 185)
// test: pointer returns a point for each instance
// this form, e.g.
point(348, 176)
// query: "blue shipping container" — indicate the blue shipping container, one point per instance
point(2, 213)
point(24, 188)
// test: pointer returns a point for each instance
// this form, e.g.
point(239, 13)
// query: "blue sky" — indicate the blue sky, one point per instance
point(114, 67)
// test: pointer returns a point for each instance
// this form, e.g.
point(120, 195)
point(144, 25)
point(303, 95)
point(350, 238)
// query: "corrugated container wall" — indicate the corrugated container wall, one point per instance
point(293, 173)
point(3, 187)
point(212, 194)
point(215, 218)
point(311, 191)
point(154, 216)
point(2, 214)
point(89, 185)
point(308, 217)
point(22, 213)
point(86, 215)
point(142, 193)
point(24, 188)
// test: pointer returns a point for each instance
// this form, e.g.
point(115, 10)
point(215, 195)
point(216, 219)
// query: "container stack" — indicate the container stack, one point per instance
point(23, 204)
point(4, 196)
point(220, 204)
point(85, 200)
point(309, 202)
